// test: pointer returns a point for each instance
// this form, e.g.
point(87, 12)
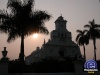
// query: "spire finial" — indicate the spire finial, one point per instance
point(44, 41)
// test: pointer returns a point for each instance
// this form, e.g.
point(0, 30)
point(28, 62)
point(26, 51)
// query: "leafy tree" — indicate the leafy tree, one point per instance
point(22, 21)
point(94, 33)
point(82, 39)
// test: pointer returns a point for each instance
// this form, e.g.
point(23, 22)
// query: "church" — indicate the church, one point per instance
point(59, 46)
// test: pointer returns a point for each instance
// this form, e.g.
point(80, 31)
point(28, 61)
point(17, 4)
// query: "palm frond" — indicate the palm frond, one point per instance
point(3, 29)
point(41, 15)
point(92, 23)
point(96, 26)
point(43, 30)
point(40, 29)
point(82, 38)
point(4, 15)
point(85, 32)
point(14, 5)
point(12, 35)
point(77, 37)
point(87, 26)
point(28, 6)
point(11, 38)
point(79, 31)
point(96, 33)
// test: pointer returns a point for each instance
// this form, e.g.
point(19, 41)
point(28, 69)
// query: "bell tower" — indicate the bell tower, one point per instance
point(60, 23)
point(60, 30)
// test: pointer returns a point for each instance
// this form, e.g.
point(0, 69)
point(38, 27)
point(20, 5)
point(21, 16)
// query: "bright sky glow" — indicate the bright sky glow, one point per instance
point(35, 35)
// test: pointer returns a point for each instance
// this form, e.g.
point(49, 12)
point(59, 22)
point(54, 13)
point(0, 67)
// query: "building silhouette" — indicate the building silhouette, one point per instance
point(60, 45)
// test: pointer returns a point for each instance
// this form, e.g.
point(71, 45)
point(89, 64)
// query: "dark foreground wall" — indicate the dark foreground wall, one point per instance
point(3, 69)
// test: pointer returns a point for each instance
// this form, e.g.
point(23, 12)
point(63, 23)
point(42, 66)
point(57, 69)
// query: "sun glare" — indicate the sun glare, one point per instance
point(35, 35)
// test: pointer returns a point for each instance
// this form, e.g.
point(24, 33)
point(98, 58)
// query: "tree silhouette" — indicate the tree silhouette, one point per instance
point(22, 21)
point(94, 33)
point(82, 39)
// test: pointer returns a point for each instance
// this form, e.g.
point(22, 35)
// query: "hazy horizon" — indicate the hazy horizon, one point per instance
point(76, 12)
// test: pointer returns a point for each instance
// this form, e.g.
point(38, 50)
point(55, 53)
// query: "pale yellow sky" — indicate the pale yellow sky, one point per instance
point(76, 12)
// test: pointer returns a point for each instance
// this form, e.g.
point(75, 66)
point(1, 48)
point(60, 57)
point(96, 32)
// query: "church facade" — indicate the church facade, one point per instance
point(59, 46)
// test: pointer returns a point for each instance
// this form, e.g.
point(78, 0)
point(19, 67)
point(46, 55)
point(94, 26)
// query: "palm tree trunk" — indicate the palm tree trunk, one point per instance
point(94, 43)
point(21, 56)
point(84, 53)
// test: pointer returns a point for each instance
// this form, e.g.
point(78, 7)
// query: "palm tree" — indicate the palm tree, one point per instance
point(82, 39)
point(22, 21)
point(94, 33)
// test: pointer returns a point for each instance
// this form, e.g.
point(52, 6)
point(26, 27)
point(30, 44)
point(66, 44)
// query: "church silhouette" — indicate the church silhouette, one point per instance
point(59, 46)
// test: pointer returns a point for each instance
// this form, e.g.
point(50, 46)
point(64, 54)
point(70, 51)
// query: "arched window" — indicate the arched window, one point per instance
point(61, 34)
point(61, 52)
point(65, 34)
point(58, 34)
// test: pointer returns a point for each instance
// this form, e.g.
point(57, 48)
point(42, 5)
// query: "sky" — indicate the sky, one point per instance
point(77, 12)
